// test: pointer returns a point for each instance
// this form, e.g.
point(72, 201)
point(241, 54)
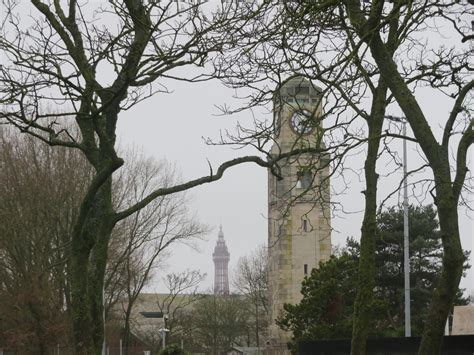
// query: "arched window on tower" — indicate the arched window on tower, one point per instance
point(304, 179)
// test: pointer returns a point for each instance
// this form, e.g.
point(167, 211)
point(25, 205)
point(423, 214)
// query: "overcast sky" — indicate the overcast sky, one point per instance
point(172, 126)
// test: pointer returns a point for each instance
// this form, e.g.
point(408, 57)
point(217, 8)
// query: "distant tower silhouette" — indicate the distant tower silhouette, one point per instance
point(221, 258)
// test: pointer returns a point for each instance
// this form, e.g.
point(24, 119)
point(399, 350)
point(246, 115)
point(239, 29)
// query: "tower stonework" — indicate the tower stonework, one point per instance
point(221, 259)
point(299, 233)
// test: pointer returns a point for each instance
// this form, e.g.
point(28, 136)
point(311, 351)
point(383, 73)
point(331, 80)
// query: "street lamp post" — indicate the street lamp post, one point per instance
point(162, 331)
point(406, 241)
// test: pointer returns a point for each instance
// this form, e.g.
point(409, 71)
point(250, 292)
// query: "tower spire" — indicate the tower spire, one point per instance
point(221, 259)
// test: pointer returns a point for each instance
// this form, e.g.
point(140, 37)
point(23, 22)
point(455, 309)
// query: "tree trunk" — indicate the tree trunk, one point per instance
point(39, 330)
point(445, 200)
point(257, 339)
point(126, 330)
point(88, 260)
point(451, 272)
point(366, 282)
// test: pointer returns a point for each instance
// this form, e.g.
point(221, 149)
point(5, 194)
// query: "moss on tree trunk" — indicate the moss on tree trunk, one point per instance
point(448, 281)
point(366, 282)
point(445, 200)
point(87, 265)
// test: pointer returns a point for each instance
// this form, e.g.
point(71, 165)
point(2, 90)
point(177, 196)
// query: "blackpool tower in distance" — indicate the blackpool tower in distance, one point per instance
point(221, 259)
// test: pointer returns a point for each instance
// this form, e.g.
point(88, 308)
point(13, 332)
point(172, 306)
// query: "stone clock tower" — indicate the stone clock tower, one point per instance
point(299, 234)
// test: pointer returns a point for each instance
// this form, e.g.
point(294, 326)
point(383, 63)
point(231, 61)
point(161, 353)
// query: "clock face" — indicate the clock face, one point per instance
point(301, 122)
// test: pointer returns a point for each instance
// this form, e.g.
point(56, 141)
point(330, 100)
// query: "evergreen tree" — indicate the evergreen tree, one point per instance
point(329, 293)
point(328, 298)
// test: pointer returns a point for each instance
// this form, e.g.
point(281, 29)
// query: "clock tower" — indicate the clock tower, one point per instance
point(299, 231)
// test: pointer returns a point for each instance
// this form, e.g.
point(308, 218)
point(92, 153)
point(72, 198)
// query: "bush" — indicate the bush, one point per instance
point(173, 349)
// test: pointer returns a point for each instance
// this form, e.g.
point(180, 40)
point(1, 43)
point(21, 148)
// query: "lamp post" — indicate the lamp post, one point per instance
point(162, 331)
point(406, 241)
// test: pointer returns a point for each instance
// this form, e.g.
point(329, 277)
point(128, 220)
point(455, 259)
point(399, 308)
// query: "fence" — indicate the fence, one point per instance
point(452, 345)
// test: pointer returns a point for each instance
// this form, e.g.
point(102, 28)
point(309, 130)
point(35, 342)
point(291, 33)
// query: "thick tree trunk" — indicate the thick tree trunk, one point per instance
point(366, 282)
point(42, 348)
point(445, 201)
point(257, 339)
point(88, 261)
point(451, 272)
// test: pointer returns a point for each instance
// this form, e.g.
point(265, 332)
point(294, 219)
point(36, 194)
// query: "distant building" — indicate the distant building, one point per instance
point(463, 320)
point(221, 259)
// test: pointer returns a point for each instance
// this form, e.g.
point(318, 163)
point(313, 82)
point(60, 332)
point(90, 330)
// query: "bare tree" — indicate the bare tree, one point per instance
point(251, 280)
point(57, 59)
point(351, 49)
point(215, 323)
point(142, 242)
point(373, 54)
point(177, 304)
point(314, 41)
point(448, 71)
point(40, 190)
